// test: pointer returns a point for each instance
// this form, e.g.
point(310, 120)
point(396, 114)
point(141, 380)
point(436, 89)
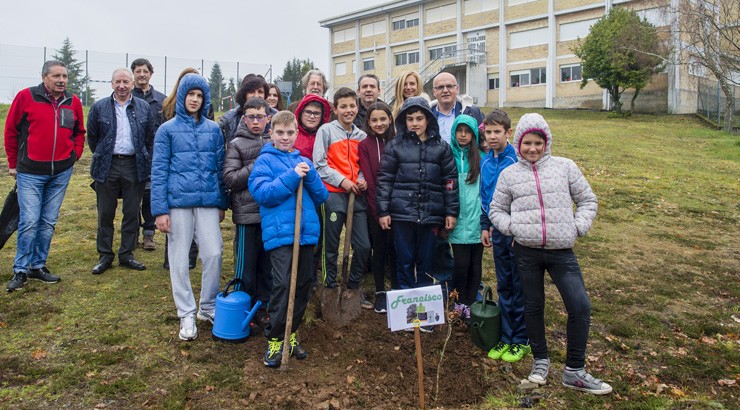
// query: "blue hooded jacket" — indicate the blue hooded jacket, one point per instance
point(491, 167)
point(274, 185)
point(188, 159)
point(467, 229)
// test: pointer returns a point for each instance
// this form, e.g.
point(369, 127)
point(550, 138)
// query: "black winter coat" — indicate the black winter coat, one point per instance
point(241, 153)
point(418, 180)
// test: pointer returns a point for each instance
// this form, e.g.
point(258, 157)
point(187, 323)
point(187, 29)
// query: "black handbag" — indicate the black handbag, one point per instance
point(9, 216)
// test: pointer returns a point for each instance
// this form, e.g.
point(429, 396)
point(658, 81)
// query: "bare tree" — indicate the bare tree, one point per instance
point(710, 35)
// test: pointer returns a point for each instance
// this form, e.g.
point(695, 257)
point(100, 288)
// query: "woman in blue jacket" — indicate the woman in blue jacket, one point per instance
point(189, 198)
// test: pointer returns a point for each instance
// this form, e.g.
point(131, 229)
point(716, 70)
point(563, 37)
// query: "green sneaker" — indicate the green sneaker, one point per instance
point(497, 351)
point(516, 353)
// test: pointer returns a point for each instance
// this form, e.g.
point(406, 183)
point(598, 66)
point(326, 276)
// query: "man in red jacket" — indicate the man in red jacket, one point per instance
point(44, 137)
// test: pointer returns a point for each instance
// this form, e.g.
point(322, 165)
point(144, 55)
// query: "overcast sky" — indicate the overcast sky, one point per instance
point(259, 32)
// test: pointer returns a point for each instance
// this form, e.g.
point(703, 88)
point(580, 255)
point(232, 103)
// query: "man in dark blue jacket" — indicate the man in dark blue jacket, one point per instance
point(120, 134)
point(143, 71)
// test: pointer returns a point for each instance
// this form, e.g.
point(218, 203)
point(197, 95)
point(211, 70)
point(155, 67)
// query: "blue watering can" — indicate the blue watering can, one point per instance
point(233, 314)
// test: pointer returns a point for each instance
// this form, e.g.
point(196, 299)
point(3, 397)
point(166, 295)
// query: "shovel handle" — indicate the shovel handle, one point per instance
point(348, 238)
point(293, 276)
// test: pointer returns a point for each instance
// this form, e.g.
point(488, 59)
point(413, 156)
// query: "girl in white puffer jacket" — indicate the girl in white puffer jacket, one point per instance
point(533, 202)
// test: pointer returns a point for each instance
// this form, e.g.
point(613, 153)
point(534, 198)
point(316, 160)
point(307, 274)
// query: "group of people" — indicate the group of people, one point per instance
point(425, 179)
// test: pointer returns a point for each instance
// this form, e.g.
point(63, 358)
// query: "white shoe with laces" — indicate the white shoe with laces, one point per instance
point(188, 330)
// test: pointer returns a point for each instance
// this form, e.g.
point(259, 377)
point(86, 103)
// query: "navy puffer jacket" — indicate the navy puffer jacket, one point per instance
point(188, 157)
point(418, 180)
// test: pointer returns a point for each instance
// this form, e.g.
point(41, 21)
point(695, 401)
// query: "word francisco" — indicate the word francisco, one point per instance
point(418, 299)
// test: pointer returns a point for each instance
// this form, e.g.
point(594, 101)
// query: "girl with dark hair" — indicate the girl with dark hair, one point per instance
point(465, 238)
point(274, 98)
point(379, 130)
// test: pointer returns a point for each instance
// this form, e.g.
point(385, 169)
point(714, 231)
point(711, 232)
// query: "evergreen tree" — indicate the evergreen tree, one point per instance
point(621, 51)
point(217, 86)
point(295, 70)
point(78, 81)
point(231, 90)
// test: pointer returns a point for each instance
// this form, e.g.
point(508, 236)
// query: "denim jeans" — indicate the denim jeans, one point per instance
point(509, 289)
point(39, 199)
point(566, 274)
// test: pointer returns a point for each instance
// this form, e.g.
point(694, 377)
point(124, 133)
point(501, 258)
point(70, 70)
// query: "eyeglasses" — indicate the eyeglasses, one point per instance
point(316, 114)
point(445, 87)
point(253, 118)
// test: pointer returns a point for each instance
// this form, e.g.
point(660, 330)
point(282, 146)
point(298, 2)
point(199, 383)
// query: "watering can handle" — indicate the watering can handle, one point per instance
point(233, 282)
point(488, 296)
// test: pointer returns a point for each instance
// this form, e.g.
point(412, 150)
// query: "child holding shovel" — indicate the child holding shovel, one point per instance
point(336, 156)
point(274, 182)
point(533, 202)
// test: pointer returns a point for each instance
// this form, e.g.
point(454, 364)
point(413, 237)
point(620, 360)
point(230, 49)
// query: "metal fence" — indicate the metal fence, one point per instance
point(711, 101)
point(20, 67)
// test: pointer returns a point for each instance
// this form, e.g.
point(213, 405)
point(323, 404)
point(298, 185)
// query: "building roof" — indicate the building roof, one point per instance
point(369, 11)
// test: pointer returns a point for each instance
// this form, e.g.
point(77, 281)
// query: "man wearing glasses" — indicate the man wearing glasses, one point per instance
point(448, 106)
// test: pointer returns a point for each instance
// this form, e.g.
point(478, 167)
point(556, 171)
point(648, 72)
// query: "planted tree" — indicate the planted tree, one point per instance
point(78, 81)
point(217, 86)
point(710, 34)
point(622, 51)
point(294, 71)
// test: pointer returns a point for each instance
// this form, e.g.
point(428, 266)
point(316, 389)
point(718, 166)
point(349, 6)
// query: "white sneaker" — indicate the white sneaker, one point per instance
point(205, 316)
point(188, 331)
point(540, 369)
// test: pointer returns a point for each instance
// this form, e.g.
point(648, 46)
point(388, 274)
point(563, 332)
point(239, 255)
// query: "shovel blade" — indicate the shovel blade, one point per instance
point(340, 307)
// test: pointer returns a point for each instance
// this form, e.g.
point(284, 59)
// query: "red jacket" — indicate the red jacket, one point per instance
point(371, 151)
point(305, 140)
point(40, 139)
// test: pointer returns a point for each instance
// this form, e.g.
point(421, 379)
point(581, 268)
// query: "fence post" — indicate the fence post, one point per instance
point(126, 59)
point(87, 83)
point(165, 73)
point(719, 110)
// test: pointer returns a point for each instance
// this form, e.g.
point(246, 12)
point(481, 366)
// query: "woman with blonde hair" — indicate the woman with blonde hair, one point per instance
point(408, 85)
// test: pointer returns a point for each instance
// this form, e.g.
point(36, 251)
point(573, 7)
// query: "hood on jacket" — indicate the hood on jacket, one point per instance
point(532, 122)
point(326, 117)
point(187, 83)
point(470, 122)
point(414, 103)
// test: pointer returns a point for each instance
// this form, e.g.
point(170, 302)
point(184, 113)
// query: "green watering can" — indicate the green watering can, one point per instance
point(485, 321)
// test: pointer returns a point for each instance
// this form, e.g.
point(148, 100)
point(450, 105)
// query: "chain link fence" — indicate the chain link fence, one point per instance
point(710, 102)
point(20, 67)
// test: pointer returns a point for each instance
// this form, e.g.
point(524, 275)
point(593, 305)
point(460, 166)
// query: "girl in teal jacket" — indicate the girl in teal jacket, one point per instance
point(465, 238)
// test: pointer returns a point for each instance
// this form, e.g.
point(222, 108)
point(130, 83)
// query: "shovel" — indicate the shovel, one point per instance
point(293, 277)
point(340, 306)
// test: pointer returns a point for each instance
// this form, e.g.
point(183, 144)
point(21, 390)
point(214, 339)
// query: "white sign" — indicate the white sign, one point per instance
point(408, 307)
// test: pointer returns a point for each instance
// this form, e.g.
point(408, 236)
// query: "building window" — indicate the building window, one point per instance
point(437, 52)
point(344, 35)
point(528, 38)
point(479, 6)
point(525, 78)
point(407, 21)
point(373, 29)
point(407, 57)
point(576, 29)
point(538, 76)
point(516, 2)
point(368, 64)
point(570, 73)
point(493, 83)
point(340, 68)
point(440, 13)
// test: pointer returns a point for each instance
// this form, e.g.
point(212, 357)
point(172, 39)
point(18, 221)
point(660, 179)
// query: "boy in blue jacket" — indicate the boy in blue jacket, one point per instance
point(274, 183)
point(514, 343)
point(188, 198)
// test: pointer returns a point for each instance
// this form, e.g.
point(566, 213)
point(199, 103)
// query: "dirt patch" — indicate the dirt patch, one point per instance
point(367, 366)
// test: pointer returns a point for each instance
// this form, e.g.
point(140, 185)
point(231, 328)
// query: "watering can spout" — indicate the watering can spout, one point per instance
point(250, 315)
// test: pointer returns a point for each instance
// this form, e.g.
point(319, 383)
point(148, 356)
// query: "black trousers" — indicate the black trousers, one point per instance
point(468, 271)
point(122, 177)
point(281, 261)
point(384, 255)
point(148, 221)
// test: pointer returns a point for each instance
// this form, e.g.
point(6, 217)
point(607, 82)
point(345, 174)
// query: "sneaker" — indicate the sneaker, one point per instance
point(540, 369)
point(583, 381)
point(43, 275)
point(19, 279)
point(188, 331)
point(366, 304)
point(205, 316)
point(497, 351)
point(296, 349)
point(274, 354)
point(149, 244)
point(516, 352)
point(380, 302)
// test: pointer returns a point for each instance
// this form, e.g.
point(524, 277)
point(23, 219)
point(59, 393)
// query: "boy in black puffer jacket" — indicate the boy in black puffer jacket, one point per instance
point(251, 262)
point(417, 190)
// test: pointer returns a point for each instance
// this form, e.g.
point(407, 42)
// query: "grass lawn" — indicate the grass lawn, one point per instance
point(661, 264)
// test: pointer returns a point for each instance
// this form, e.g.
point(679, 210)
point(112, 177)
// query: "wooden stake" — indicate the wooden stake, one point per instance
point(293, 276)
point(419, 365)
